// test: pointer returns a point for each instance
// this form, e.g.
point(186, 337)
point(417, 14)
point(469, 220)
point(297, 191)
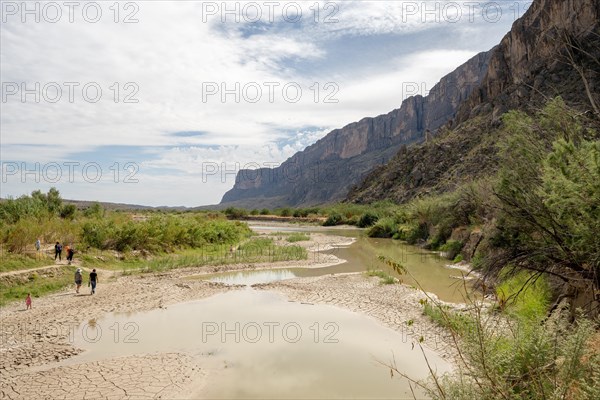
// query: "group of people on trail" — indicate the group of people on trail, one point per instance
point(78, 281)
point(92, 282)
point(58, 248)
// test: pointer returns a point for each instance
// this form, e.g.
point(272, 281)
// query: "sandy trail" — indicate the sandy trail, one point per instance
point(33, 342)
point(30, 270)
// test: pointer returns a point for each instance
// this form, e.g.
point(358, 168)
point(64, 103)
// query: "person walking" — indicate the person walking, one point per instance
point(93, 280)
point(78, 279)
point(70, 253)
point(57, 251)
point(38, 247)
point(28, 301)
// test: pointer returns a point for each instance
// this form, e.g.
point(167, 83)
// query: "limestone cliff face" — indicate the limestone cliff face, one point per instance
point(528, 67)
point(530, 63)
point(325, 171)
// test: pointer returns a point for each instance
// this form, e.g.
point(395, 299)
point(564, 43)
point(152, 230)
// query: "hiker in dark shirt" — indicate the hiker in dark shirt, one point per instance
point(93, 280)
point(57, 251)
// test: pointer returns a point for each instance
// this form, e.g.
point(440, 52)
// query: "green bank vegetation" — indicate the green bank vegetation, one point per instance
point(43, 216)
point(37, 284)
point(333, 214)
point(385, 278)
point(298, 237)
point(522, 353)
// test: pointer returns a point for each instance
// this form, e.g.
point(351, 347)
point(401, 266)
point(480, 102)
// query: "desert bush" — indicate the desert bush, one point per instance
point(384, 228)
point(285, 212)
point(333, 219)
point(452, 248)
point(297, 237)
point(523, 295)
point(367, 219)
point(235, 213)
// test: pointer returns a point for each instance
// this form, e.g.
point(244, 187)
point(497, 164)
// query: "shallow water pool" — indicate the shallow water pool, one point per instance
point(257, 344)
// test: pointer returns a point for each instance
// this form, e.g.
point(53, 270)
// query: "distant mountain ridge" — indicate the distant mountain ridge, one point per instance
point(325, 171)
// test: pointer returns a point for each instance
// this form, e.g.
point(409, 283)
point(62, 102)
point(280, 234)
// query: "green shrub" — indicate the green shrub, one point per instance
point(552, 359)
point(94, 211)
point(313, 210)
point(384, 228)
point(235, 213)
point(352, 220)
point(523, 296)
point(417, 233)
point(367, 219)
point(95, 234)
point(285, 212)
point(297, 237)
point(333, 219)
point(452, 248)
point(300, 213)
point(265, 211)
point(440, 237)
point(68, 211)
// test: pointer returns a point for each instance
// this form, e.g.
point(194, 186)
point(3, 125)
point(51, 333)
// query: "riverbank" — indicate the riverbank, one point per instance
point(37, 344)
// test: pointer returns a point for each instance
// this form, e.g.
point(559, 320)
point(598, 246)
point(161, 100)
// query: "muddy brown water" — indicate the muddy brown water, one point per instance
point(257, 344)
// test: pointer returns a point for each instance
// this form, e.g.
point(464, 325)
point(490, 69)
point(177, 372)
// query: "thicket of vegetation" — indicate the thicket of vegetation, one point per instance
point(334, 214)
point(521, 354)
point(145, 241)
point(44, 216)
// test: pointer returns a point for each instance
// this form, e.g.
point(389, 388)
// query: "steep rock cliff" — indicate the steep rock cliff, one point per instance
point(324, 171)
point(529, 66)
point(531, 63)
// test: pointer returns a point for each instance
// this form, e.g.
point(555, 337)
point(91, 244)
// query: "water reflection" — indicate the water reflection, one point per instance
point(251, 277)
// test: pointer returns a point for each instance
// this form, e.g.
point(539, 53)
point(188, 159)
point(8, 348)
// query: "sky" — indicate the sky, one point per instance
point(161, 102)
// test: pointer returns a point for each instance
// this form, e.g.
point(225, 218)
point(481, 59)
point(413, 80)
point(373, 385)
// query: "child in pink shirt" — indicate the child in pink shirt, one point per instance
point(28, 301)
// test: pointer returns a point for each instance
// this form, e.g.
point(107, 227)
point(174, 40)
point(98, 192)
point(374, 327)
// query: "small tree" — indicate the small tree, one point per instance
point(549, 200)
